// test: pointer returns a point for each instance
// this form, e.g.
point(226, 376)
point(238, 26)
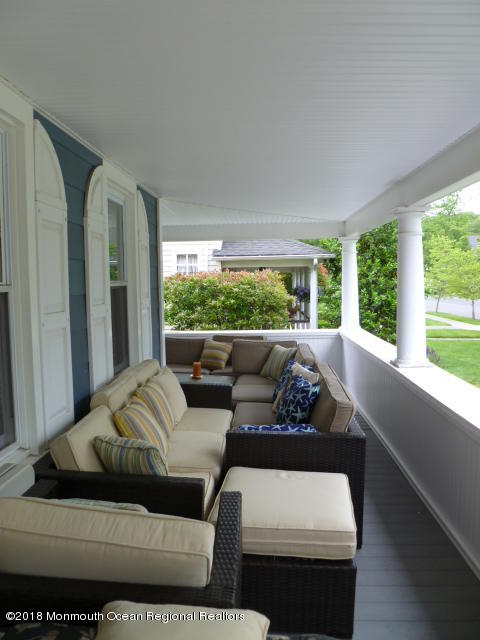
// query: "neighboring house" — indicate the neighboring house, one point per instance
point(287, 256)
point(190, 257)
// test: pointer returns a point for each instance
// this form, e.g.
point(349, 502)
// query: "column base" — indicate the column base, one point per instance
point(407, 364)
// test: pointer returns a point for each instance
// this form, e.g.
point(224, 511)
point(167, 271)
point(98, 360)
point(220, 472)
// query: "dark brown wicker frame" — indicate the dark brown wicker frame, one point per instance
point(177, 496)
point(301, 596)
point(328, 452)
point(39, 593)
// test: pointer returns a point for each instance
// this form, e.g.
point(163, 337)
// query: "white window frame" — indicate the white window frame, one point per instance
point(187, 256)
point(123, 189)
point(16, 121)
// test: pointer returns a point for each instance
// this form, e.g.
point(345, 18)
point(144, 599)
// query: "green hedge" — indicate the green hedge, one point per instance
point(227, 300)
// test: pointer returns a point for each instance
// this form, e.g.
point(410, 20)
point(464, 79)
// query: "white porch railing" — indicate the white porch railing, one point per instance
point(428, 419)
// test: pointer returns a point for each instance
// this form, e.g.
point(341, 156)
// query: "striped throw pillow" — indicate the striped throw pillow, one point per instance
point(124, 455)
point(276, 361)
point(137, 422)
point(153, 396)
point(215, 354)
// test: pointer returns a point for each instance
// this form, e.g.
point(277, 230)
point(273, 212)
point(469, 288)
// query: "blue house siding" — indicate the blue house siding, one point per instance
point(76, 162)
point(151, 208)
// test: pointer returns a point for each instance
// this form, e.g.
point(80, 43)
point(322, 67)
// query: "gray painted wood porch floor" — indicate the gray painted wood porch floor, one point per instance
point(412, 583)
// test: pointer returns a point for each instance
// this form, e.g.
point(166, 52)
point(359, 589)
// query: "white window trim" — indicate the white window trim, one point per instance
point(187, 263)
point(121, 186)
point(16, 119)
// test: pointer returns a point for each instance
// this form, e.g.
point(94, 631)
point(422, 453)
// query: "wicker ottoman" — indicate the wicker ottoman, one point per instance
point(299, 541)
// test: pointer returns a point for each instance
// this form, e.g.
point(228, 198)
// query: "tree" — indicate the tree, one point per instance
point(227, 300)
point(465, 277)
point(377, 282)
point(438, 275)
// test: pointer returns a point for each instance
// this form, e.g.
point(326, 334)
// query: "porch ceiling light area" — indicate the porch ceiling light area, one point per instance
point(307, 109)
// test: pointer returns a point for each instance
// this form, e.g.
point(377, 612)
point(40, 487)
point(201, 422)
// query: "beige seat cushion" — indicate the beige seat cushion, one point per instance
point(207, 477)
point(44, 538)
point(116, 394)
point(293, 513)
point(202, 419)
point(196, 451)
point(335, 407)
point(74, 450)
point(253, 413)
point(252, 388)
point(227, 371)
point(173, 391)
point(143, 371)
point(253, 626)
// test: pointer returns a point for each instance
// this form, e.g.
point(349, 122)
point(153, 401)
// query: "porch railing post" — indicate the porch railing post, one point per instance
point(350, 309)
point(314, 295)
point(411, 333)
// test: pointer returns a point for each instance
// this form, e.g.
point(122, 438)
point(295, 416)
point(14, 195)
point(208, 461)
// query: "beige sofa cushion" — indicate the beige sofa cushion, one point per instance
point(183, 350)
point(293, 513)
point(253, 413)
point(143, 371)
point(253, 626)
point(335, 406)
point(252, 387)
point(249, 356)
point(203, 419)
point(45, 538)
point(225, 337)
point(173, 392)
point(196, 451)
point(115, 394)
point(74, 450)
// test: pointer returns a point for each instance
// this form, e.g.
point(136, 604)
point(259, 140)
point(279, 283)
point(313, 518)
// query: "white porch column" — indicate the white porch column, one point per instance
point(314, 295)
point(411, 335)
point(350, 310)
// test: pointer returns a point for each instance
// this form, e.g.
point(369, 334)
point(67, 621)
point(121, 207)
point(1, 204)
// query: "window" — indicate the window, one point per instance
point(7, 417)
point(118, 283)
point(187, 263)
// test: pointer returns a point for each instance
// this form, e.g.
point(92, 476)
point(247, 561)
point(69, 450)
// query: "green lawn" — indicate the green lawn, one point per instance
point(460, 357)
point(430, 323)
point(452, 317)
point(452, 333)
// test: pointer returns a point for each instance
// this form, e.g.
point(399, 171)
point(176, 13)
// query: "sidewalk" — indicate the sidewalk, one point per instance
point(450, 324)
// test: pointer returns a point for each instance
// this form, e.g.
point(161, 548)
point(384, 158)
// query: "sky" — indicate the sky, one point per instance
point(469, 198)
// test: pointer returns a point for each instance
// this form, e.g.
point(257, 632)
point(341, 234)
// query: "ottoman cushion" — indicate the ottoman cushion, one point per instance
point(293, 513)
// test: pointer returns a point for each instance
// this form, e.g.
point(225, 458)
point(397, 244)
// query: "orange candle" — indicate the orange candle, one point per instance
point(197, 369)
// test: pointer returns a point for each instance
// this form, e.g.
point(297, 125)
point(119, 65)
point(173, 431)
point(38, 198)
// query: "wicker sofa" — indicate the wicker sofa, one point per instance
point(59, 584)
point(338, 446)
point(195, 454)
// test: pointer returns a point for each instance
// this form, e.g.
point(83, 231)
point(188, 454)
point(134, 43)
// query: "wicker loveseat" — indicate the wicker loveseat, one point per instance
point(195, 448)
point(61, 589)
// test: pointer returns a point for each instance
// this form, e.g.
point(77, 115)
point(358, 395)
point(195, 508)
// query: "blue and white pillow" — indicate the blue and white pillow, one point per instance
point(298, 401)
point(283, 380)
point(278, 428)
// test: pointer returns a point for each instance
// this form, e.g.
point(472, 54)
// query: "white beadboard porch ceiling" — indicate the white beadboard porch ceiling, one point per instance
point(284, 114)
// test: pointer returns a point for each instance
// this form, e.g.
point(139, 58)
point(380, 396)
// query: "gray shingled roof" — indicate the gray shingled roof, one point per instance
point(253, 248)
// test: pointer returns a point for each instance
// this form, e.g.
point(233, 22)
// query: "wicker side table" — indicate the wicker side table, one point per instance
point(210, 391)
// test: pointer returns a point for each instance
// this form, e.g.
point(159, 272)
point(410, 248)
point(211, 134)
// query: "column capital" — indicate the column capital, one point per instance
point(414, 211)
point(352, 239)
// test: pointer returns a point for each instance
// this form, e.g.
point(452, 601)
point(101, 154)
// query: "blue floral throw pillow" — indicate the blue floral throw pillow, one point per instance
point(278, 428)
point(298, 401)
point(283, 380)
